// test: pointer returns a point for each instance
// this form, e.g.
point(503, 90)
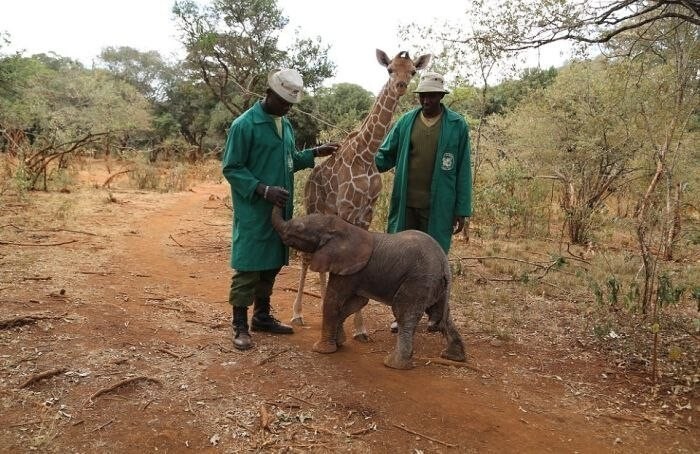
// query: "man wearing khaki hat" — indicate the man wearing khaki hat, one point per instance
point(259, 163)
point(429, 147)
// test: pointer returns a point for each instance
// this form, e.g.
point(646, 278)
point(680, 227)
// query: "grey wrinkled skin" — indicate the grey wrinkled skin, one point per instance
point(408, 271)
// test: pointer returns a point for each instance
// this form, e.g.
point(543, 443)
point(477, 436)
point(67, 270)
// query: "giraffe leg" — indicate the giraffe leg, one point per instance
point(360, 331)
point(297, 319)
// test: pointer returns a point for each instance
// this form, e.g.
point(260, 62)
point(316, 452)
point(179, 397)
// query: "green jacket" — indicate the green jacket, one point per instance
point(451, 187)
point(256, 154)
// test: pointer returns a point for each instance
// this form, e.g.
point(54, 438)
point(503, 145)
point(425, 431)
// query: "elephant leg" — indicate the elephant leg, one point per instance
point(323, 281)
point(400, 357)
point(455, 346)
point(433, 313)
point(337, 305)
point(354, 306)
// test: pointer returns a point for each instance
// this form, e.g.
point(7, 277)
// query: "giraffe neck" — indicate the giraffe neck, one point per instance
point(376, 125)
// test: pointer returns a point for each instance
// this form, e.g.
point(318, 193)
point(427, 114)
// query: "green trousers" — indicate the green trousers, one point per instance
point(247, 286)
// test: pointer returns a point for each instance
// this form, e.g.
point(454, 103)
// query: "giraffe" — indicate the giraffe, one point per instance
point(348, 182)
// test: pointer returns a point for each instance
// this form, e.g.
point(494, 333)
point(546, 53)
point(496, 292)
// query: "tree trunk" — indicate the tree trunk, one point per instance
point(673, 210)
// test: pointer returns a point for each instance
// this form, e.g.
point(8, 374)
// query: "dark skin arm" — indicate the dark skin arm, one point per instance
point(277, 195)
point(458, 224)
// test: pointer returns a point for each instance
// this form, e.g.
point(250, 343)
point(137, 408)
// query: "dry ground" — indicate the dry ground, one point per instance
point(121, 302)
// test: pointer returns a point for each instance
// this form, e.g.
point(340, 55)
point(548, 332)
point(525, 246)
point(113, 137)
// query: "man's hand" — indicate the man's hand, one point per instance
point(326, 149)
point(274, 194)
point(457, 224)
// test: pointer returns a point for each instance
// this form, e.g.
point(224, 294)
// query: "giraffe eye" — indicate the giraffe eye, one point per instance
point(390, 70)
point(413, 73)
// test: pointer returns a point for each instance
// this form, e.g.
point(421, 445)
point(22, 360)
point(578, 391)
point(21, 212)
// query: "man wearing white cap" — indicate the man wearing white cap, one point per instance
point(429, 147)
point(259, 163)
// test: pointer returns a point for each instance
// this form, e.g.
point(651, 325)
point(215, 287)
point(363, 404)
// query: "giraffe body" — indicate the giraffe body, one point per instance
point(348, 183)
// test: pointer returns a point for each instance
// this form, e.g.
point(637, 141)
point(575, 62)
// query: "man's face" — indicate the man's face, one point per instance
point(430, 102)
point(277, 104)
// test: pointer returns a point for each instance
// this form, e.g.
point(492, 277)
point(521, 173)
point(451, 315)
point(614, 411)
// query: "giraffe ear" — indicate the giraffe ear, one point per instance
point(346, 249)
point(422, 61)
point(383, 58)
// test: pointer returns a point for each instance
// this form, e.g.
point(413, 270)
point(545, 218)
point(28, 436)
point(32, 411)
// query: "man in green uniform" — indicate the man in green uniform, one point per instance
point(429, 147)
point(259, 163)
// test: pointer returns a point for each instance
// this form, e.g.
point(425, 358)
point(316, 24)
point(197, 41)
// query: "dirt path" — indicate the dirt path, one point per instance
point(145, 300)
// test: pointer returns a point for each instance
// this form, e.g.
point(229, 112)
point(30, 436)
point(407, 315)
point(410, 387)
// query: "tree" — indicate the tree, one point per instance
point(526, 24)
point(668, 69)
point(343, 105)
point(146, 71)
point(16, 122)
point(233, 44)
point(578, 132)
point(332, 113)
point(67, 109)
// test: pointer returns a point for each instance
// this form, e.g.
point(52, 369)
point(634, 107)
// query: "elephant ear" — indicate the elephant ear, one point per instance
point(346, 249)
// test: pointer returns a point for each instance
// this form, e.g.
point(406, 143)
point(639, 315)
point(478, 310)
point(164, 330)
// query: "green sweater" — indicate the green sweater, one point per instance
point(424, 142)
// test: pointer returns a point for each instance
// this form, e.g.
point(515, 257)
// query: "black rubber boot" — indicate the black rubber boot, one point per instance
point(263, 321)
point(241, 337)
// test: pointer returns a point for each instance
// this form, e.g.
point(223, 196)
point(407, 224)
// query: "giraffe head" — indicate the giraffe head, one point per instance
point(401, 69)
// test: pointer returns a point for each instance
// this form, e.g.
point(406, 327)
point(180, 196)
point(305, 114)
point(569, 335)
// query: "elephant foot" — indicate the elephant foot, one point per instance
point(297, 320)
point(393, 361)
point(325, 346)
point(361, 337)
point(454, 352)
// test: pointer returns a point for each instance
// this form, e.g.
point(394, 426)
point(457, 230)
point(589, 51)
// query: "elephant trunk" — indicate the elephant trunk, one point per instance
point(279, 223)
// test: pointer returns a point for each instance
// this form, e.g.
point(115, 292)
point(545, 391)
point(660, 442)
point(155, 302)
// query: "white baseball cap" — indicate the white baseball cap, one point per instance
point(287, 83)
point(431, 83)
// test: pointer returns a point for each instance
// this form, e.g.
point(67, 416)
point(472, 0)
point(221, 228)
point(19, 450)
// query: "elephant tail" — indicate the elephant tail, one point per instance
point(439, 312)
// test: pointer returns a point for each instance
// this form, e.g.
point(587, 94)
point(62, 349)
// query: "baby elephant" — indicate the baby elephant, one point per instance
point(408, 271)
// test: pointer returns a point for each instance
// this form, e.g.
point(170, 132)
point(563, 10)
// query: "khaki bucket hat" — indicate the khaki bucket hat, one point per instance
point(431, 82)
point(287, 83)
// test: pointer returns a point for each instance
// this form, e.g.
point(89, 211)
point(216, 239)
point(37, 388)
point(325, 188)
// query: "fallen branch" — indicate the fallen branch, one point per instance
point(302, 400)
point(168, 352)
point(444, 443)
point(176, 242)
point(363, 431)
point(55, 230)
point(111, 177)
point(627, 418)
point(120, 384)
point(10, 243)
point(27, 423)
point(103, 425)
point(47, 278)
point(322, 429)
point(26, 320)
point(447, 362)
point(171, 308)
point(43, 376)
point(274, 355)
point(207, 324)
